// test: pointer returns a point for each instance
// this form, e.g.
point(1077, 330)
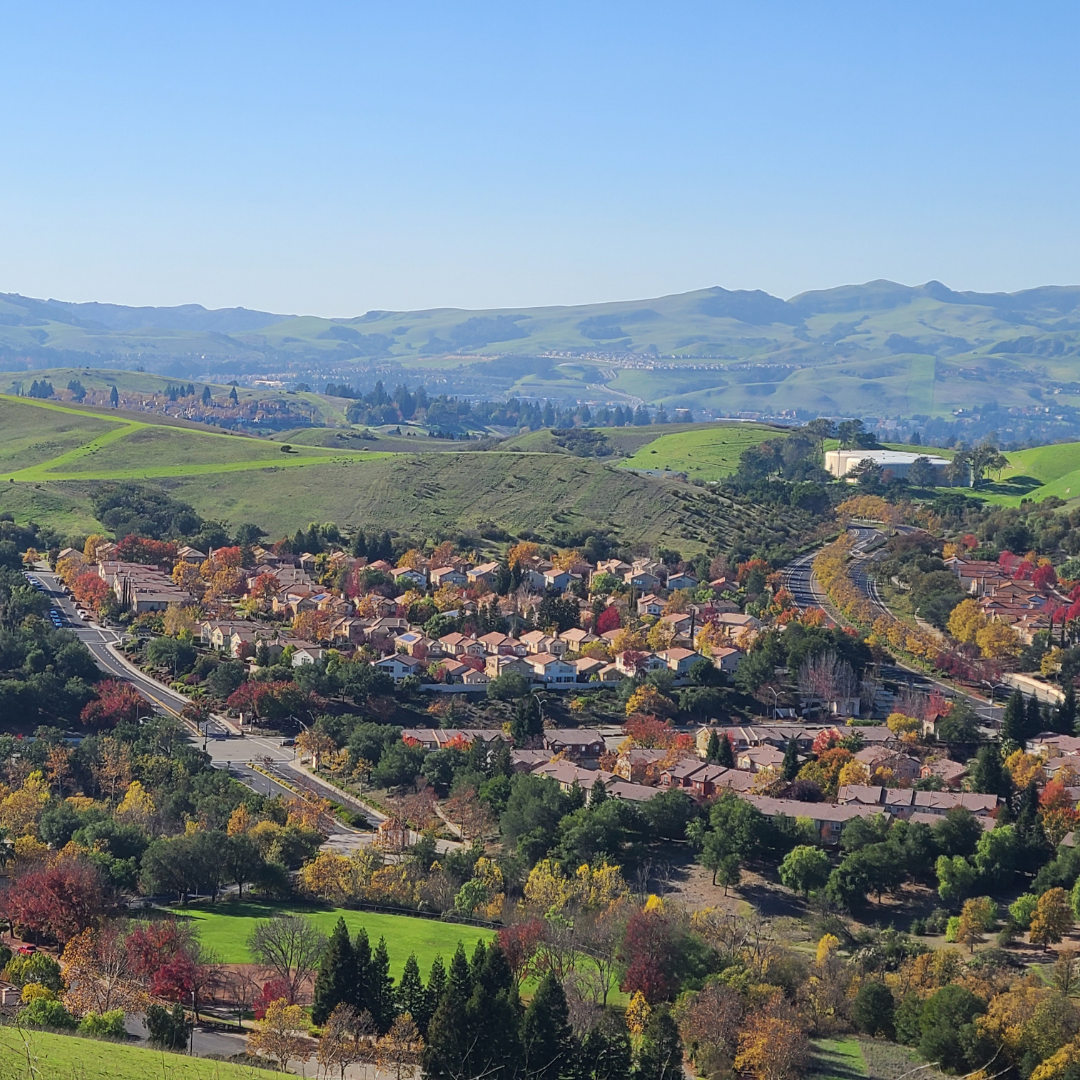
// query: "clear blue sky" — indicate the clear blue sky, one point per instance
point(336, 157)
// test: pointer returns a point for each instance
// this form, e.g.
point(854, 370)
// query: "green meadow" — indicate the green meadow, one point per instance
point(225, 928)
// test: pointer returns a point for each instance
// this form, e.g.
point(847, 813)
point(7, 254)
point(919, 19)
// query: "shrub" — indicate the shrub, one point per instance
point(108, 1025)
point(952, 927)
point(47, 1013)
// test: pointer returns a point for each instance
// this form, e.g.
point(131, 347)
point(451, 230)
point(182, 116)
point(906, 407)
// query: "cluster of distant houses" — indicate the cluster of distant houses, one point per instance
point(1023, 605)
point(454, 660)
point(581, 757)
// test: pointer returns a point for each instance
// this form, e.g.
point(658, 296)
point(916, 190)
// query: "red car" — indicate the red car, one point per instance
point(26, 950)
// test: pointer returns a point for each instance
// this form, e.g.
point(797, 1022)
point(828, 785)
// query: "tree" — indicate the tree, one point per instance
point(771, 1048)
point(873, 1008)
point(790, 767)
point(336, 980)
point(956, 878)
point(725, 754)
point(946, 1027)
point(987, 774)
point(1052, 918)
point(339, 1046)
point(290, 946)
point(804, 869)
point(661, 1056)
point(976, 917)
point(401, 1048)
point(281, 1033)
point(100, 976)
point(59, 900)
point(117, 701)
point(712, 748)
point(728, 873)
point(379, 987)
point(410, 995)
point(546, 1038)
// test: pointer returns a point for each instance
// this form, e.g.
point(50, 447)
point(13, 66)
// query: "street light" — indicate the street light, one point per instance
point(776, 700)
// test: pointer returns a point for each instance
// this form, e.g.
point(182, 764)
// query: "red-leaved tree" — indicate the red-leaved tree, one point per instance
point(116, 701)
point(608, 619)
point(57, 901)
point(650, 954)
point(271, 991)
point(90, 590)
point(140, 549)
point(519, 942)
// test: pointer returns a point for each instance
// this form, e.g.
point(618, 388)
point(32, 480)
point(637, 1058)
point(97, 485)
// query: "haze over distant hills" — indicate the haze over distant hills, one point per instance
point(878, 348)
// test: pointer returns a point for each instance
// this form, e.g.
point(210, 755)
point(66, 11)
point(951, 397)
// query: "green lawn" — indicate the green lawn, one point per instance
point(836, 1059)
point(40, 1055)
point(225, 928)
point(702, 453)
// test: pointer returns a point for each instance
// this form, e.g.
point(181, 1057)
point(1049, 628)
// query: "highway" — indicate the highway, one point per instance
point(806, 592)
point(221, 741)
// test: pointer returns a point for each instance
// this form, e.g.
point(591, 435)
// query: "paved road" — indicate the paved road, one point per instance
point(806, 592)
point(227, 750)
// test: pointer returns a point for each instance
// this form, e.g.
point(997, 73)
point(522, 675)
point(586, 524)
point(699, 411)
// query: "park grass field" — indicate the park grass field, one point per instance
point(42, 1055)
point(703, 453)
point(224, 928)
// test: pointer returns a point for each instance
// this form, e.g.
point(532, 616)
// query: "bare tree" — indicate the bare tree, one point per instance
point(290, 946)
point(598, 935)
point(825, 677)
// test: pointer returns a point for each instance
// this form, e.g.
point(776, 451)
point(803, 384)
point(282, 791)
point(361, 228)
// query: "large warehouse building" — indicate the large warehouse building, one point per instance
point(898, 462)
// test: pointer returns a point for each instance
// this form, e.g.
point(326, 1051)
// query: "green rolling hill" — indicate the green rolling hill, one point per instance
point(873, 349)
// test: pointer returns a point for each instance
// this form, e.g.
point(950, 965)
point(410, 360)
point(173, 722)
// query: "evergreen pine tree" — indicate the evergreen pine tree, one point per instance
point(546, 1039)
point(436, 986)
point(411, 996)
point(493, 1019)
point(448, 1036)
point(1032, 718)
point(1014, 718)
point(987, 774)
point(207, 397)
point(1033, 847)
point(790, 766)
point(262, 655)
point(336, 980)
point(1065, 714)
point(232, 396)
point(726, 755)
point(606, 1053)
point(479, 958)
point(597, 794)
point(362, 967)
point(359, 545)
point(661, 1056)
point(380, 988)
point(712, 748)
point(114, 397)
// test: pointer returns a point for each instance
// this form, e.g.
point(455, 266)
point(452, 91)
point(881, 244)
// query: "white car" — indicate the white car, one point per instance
point(84, 615)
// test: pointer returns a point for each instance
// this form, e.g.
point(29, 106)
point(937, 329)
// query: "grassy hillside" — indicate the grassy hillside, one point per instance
point(702, 453)
point(873, 349)
point(40, 1055)
point(56, 453)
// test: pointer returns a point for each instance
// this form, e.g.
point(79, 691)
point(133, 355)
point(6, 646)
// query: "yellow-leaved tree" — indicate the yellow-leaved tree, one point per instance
point(966, 620)
point(281, 1035)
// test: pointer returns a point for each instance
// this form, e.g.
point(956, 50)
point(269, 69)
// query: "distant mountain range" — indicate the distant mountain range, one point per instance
point(878, 349)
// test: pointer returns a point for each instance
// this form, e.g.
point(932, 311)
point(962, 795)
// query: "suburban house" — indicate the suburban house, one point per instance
point(536, 641)
point(406, 575)
point(680, 660)
point(400, 665)
point(547, 668)
point(447, 575)
point(576, 743)
point(485, 573)
point(650, 604)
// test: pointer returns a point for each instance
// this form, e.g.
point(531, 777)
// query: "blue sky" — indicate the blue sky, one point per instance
point(332, 158)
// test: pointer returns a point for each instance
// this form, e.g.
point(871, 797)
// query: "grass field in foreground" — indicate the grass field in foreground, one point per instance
point(41, 1055)
point(704, 453)
point(225, 928)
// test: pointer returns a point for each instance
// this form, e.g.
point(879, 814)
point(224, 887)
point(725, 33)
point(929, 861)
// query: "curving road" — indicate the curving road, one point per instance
point(806, 592)
point(227, 748)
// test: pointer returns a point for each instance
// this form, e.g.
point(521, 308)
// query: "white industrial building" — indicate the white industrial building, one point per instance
point(842, 462)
